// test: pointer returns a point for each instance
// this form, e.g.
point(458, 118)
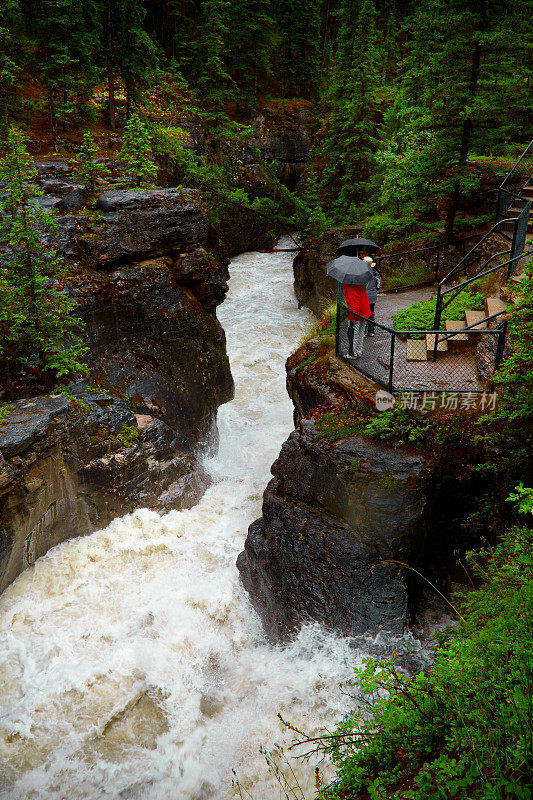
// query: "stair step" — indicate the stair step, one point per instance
point(416, 350)
point(442, 346)
point(472, 317)
point(519, 278)
point(527, 192)
point(493, 305)
point(456, 325)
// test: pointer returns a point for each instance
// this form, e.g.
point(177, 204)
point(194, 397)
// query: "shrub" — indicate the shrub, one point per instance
point(128, 435)
point(515, 376)
point(420, 316)
point(465, 729)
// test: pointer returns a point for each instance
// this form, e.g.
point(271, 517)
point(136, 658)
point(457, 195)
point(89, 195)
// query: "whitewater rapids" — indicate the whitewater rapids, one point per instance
point(132, 664)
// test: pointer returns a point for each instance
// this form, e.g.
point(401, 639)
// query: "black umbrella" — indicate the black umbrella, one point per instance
point(348, 269)
point(351, 247)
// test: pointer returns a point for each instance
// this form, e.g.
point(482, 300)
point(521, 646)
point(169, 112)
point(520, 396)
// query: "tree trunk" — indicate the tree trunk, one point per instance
point(128, 87)
point(466, 138)
point(52, 110)
point(109, 66)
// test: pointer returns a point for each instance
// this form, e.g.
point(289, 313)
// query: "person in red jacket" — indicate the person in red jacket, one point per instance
point(357, 302)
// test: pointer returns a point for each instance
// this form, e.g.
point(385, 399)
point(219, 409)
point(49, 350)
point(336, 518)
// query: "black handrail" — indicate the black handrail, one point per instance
point(438, 246)
point(511, 171)
point(483, 239)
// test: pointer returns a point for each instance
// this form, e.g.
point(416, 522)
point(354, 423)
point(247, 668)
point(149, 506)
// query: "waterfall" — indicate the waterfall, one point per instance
point(132, 664)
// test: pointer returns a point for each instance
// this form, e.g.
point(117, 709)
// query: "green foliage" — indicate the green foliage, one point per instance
point(88, 167)
point(523, 495)
point(464, 730)
point(35, 311)
point(515, 376)
point(5, 411)
point(65, 36)
point(356, 418)
point(419, 316)
point(128, 435)
point(298, 60)
point(137, 149)
point(348, 150)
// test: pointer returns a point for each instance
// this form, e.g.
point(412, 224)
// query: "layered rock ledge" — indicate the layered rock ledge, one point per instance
point(68, 466)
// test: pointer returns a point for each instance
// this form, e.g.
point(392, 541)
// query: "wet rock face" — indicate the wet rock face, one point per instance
point(67, 468)
point(311, 282)
point(151, 340)
point(332, 518)
point(138, 224)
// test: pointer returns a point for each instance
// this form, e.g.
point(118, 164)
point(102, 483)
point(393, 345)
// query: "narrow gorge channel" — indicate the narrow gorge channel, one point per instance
point(132, 661)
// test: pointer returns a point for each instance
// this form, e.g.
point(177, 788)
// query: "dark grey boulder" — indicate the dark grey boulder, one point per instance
point(74, 200)
point(140, 224)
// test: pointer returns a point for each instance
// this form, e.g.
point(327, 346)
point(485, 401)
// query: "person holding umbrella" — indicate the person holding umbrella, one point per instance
point(357, 302)
point(353, 274)
point(372, 287)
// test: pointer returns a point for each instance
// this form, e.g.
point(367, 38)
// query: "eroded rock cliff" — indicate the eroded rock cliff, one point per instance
point(335, 520)
point(68, 466)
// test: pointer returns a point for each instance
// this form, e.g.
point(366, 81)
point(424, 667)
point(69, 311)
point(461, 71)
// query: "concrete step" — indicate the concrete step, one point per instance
point(416, 350)
point(519, 278)
point(442, 346)
point(508, 227)
point(472, 317)
point(527, 192)
point(514, 211)
point(456, 325)
point(493, 305)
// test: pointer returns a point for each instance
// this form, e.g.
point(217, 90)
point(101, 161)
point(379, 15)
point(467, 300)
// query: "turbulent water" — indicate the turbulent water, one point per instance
point(132, 664)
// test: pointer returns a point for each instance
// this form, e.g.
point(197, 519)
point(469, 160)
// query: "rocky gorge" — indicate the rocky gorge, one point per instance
point(147, 272)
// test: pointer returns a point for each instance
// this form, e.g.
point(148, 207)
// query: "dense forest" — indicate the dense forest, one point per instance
point(400, 107)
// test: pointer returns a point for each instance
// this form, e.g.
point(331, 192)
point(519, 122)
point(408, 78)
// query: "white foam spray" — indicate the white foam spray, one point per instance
point(132, 664)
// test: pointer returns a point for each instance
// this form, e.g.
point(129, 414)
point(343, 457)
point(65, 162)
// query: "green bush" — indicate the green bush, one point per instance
point(420, 316)
point(465, 730)
point(515, 376)
point(128, 435)
point(383, 227)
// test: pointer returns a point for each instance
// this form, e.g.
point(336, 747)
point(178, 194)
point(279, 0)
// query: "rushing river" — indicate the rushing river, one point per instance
point(132, 664)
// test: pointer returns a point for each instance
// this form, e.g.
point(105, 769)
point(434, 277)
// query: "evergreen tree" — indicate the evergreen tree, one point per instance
point(89, 168)
point(214, 82)
point(299, 24)
point(66, 36)
point(129, 50)
point(36, 318)
point(350, 144)
point(252, 41)
point(458, 87)
point(137, 149)
point(10, 54)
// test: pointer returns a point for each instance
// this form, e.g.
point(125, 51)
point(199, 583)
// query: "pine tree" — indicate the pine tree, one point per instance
point(351, 141)
point(89, 168)
point(458, 88)
point(10, 57)
point(129, 50)
point(299, 24)
point(66, 36)
point(36, 318)
point(251, 45)
point(137, 149)
point(214, 82)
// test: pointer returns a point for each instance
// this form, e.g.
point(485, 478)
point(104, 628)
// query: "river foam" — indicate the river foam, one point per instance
point(132, 664)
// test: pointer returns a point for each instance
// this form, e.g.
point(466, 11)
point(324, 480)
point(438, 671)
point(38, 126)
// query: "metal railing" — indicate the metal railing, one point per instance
point(516, 252)
point(507, 196)
point(385, 359)
point(433, 269)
